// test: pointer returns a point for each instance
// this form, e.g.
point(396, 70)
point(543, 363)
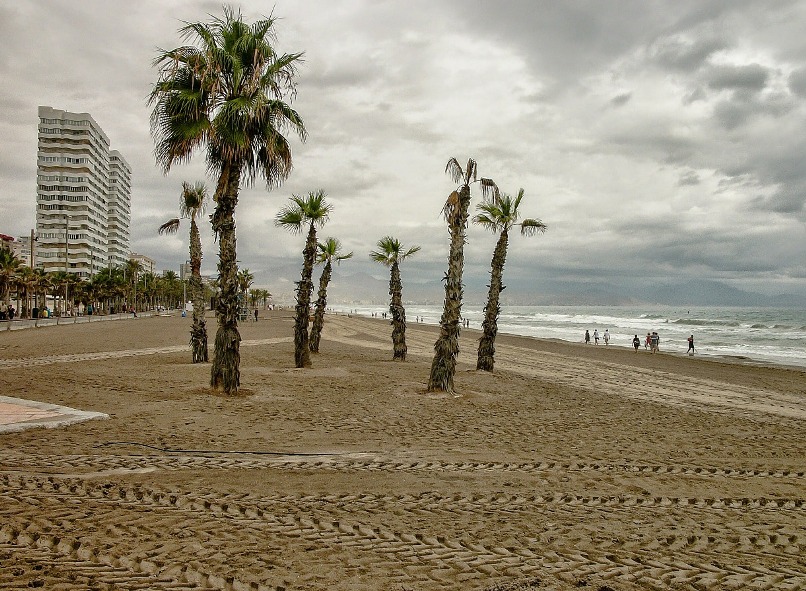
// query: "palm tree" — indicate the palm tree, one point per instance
point(455, 211)
point(193, 203)
point(131, 270)
point(390, 253)
point(9, 266)
point(63, 280)
point(24, 281)
point(329, 251)
point(499, 216)
point(312, 211)
point(261, 295)
point(41, 286)
point(245, 280)
point(227, 95)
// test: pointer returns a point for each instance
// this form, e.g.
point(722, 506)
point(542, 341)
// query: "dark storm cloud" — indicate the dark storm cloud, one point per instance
point(797, 82)
point(621, 99)
point(689, 178)
point(686, 55)
point(752, 77)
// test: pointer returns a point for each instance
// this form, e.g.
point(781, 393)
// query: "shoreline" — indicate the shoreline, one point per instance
point(728, 359)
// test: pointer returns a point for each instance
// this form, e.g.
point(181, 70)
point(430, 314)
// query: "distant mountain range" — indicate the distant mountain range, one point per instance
point(366, 289)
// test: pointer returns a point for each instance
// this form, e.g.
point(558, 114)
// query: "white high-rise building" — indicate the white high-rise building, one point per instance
point(83, 196)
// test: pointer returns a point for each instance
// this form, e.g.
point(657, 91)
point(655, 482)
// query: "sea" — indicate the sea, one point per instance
point(774, 336)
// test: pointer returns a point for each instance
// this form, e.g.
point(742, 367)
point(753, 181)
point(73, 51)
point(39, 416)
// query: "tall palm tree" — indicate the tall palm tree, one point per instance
point(226, 94)
point(131, 271)
point(312, 211)
point(42, 285)
point(24, 281)
point(193, 203)
point(390, 253)
point(245, 280)
point(9, 266)
point(499, 216)
point(455, 211)
point(329, 251)
point(62, 280)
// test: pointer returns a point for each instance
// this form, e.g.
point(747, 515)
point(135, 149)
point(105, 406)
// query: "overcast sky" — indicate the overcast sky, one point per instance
point(659, 141)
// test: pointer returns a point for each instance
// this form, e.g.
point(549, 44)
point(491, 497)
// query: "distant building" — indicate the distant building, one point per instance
point(6, 241)
point(22, 248)
point(83, 198)
point(147, 264)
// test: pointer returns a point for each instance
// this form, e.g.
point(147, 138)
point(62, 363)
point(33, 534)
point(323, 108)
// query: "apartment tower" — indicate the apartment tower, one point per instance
point(83, 197)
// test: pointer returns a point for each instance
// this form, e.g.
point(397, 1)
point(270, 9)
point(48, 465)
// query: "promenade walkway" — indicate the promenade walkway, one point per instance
point(23, 323)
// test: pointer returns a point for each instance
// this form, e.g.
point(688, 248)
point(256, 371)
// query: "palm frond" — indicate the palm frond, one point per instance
point(530, 227)
point(169, 227)
point(489, 190)
point(454, 170)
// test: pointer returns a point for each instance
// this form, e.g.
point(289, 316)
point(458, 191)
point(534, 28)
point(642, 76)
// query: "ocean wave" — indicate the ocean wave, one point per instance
point(758, 326)
point(703, 322)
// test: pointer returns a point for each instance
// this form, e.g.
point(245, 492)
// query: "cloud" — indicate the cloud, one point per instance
point(751, 77)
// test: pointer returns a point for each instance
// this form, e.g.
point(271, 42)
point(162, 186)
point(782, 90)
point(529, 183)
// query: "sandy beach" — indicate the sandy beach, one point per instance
point(570, 467)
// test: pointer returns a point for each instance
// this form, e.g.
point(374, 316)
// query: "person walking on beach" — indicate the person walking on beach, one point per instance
point(654, 342)
point(691, 345)
point(636, 342)
point(255, 314)
point(587, 338)
point(607, 336)
point(595, 336)
point(647, 341)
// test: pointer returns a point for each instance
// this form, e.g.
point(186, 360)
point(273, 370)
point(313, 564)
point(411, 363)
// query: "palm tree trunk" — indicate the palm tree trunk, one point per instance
point(321, 304)
point(302, 354)
point(225, 371)
point(198, 332)
point(489, 327)
point(446, 348)
point(398, 314)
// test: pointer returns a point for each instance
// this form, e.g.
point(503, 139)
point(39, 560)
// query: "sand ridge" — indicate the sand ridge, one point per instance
point(569, 466)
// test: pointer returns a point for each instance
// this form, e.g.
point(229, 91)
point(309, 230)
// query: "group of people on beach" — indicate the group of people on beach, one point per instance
point(652, 341)
point(605, 336)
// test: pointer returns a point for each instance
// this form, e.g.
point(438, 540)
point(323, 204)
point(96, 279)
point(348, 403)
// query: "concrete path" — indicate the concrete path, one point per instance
point(17, 414)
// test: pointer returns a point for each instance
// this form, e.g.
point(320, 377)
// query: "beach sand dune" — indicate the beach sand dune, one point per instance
point(569, 467)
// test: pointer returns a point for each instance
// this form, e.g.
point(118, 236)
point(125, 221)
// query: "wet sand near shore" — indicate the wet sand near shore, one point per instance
point(571, 466)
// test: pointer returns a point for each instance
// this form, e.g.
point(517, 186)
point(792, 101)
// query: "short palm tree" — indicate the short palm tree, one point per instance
point(226, 94)
point(192, 204)
point(310, 211)
point(391, 253)
point(455, 211)
point(499, 216)
point(329, 251)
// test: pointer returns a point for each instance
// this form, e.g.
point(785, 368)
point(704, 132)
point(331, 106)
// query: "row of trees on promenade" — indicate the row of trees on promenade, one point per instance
point(109, 289)
point(225, 93)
